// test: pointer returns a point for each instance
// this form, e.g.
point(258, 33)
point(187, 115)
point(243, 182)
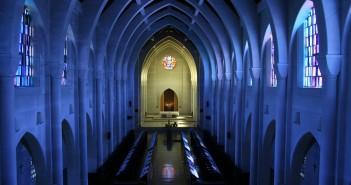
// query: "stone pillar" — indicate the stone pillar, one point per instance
point(7, 129)
point(238, 121)
point(328, 122)
point(254, 126)
point(119, 108)
point(110, 103)
point(83, 152)
point(226, 110)
point(279, 150)
point(219, 112)
point(124, 106)
point(214, 109)
point(56, 125)
point(98, 116)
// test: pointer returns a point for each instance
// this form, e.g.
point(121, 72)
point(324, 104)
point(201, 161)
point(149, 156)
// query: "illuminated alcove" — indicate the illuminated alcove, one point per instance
point(181, 79)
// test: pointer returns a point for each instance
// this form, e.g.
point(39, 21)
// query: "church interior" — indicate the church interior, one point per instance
point(106, 92)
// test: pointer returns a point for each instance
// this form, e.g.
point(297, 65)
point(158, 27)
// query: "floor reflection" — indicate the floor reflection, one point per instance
point(168, 171)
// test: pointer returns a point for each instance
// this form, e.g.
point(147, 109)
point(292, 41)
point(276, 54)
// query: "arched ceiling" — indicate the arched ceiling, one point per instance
point(213, 27)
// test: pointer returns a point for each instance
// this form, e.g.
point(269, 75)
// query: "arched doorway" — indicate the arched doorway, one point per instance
point(169, 101)
point(305, 163)
point(247, 146)
point(267, 172)
point(70, 160)
point(91, 148)
point(30, 162)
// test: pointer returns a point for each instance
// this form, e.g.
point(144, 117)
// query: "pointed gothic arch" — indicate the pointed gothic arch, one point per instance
point(300, 161)
point(30, 161)
point(70, 156)
point(169, 100)
point(267, 172)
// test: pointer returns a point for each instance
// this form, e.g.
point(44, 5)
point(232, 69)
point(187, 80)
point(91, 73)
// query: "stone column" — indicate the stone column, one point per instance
point(214, 110)
point(328, 122)
point(226, 110)
point(56, 69)
point(119, 108)
point(7, 129)
point(254, 126)
point(238, 131)
point(279, 150)
point(98, 120)
point(219, 111)
point(110, 103)
point(83, 152)
point(124, 105)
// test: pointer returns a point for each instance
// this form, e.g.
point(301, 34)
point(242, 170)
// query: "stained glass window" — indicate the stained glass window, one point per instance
point(25, 71)
point(273, 74)
point(169, 62)
point(312, 73)
point(64, 72)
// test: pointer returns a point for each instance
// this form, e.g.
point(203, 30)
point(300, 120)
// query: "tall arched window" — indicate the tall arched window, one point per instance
point(312, 74)
point(64, 72)
point(273, 75)
point(25, 71)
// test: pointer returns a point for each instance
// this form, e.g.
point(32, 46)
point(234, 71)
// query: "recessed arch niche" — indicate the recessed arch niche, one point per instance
point(169, 101)
point(155, 79)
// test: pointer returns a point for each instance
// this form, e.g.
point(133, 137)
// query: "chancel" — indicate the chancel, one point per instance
point(175, 92)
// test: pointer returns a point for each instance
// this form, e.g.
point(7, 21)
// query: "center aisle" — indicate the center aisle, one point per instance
point(168, 164)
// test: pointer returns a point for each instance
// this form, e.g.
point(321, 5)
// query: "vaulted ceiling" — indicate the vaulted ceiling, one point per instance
point(213, 27)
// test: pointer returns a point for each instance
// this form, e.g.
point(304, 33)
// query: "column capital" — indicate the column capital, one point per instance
point(125, 76)
point(82, 72)
point(214, 77)
point(56, 69)
point(239, 74)
point(329, 65)
point(109, 75)
point(220, 76)
point(119, 76)
point(98, 74)
point(255, 72)
point(9, 63)
point(282, 69)
point(228, 76)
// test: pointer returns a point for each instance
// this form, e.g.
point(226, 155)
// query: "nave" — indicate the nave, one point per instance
point(169, 161)
point(267, 80)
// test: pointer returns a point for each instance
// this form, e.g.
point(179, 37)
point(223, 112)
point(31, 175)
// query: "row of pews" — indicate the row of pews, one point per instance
point(131, 165)
point(200, 167)
point(190, 170)
point(146, 172)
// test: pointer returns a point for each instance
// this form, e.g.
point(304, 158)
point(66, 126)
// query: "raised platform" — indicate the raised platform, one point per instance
point(157, 120)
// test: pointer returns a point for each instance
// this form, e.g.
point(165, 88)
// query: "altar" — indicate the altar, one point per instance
point(169, 114)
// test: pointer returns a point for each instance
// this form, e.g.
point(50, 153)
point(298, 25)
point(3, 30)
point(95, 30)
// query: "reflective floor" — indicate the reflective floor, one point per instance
point(168, 166)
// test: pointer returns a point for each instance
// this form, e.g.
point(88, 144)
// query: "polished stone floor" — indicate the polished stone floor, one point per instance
point(168, 166)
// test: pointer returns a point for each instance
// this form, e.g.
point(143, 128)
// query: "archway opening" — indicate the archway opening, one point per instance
point(26, 168)
point(70, 161)
point(91, 148)
point(306, 161)
point(30, 162)
point(169, 101)
point(176, 75)
point(247, 146)
point(267, 175)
